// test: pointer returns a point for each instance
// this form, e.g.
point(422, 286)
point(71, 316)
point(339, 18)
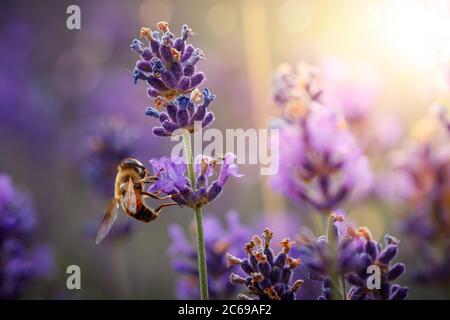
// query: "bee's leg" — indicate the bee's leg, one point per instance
point(158, 210)
point(148, 179)
point(155, 196)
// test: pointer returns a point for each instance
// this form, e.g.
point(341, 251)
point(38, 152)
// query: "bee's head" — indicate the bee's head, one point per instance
point(132, 163)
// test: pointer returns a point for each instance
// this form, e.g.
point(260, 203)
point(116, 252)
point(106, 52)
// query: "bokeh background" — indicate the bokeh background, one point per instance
point(59, 88)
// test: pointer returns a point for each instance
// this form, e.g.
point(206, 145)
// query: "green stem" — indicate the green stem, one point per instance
point(337, 281)
point(201, 252)
point(344, 289)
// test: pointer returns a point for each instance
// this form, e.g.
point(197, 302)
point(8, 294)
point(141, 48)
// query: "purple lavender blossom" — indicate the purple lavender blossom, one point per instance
point(167, 64)
point(422, 178)
point(183, 113)
point(342, 257)
point(294, 90)
point(172, 179)
point(323, 165)
point(351, 90)
point(268, 277)
point(27, 110)
point(291, 224)
point(104, 147)
point(370, 253)
point(22, 261)
point(218, 241)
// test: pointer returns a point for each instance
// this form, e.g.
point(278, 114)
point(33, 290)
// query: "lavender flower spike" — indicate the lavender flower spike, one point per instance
point(185, 112)
point(268, 277)
point(373, 253)
point(167, 63)
point(22, 261)
point(323, 165)
point(172, 179)
point(218, 240)
point(343, 257)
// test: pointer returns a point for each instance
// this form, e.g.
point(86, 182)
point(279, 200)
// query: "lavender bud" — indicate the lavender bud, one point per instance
point(159, 131)
point(213, 191)
point(184, 84)
point(157, 84)
point(197, 79)
point(188, 51)
point(396, 271)
point(388, 253)
point(153, 93)
point(371, 249)
point(168, 79)
point(172, 112)
point(246, 267)
point(146, 54)
point(177, 70)
point(209, 118)
point(182, 117)
point(399, 294)
point(144, 66)
point(169, 126)
point(152, 112)
point(189, 70)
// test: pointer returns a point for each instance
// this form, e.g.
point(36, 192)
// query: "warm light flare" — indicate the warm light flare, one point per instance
point(416, 31)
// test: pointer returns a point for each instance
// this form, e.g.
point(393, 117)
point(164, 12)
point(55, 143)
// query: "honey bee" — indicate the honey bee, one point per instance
point(129, 193)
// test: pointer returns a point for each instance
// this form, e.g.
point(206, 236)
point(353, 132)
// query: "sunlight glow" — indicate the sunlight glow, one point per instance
point(416, 31)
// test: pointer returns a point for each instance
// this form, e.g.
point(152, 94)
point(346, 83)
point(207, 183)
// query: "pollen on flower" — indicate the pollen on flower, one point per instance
point(163, 26)
point(365, 233)
point(336, 218)
point(269, 276)
point(196, 96)
point(286, 244)
point(146, 33)
point(175, 54)
point(293, 263)
point(232, 260)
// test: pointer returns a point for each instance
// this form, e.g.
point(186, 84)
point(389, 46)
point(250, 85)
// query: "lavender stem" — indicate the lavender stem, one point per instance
point(201, 252)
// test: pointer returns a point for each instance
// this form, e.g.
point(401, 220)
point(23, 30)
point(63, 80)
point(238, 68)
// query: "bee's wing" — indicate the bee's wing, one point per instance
point(129, 198)
point(108, 221)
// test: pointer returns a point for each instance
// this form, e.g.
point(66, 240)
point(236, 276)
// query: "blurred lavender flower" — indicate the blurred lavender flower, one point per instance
point(21, 259)
point(172, 179)
point(422, 178)
point(323, 164)
point(351, 89)
point(295, 89)
point(268, 277)
point(343, 256)
point(183, 113)
point(26, 110)
point(104, 147)
point(167, 64)
point(218, 241)
point(111, 141)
